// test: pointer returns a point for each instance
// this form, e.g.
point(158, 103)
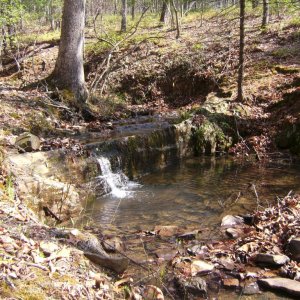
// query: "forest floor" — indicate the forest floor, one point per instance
point(150, 73)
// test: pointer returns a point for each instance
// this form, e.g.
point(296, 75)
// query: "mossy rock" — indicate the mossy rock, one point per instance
point(209, 138)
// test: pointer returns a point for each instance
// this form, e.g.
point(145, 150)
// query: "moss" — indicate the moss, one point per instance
point(39, 125)
point(209, 138)
point(285, 52)
point(287, 69)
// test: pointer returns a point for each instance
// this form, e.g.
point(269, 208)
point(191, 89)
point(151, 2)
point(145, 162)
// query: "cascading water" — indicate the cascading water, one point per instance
point(116, 184)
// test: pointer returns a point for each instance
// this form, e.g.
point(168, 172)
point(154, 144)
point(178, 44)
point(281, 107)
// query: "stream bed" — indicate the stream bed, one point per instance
point(194, 193)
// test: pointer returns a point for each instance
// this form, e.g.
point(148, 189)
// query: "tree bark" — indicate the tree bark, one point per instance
point(265, 19)
point(124, 16)
point(176, 19)
point(164, 13)
point(68, 73)
point(133, 9)
point(240, 96)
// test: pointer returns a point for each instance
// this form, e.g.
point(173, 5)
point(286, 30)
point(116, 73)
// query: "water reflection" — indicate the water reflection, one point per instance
point(196, 192)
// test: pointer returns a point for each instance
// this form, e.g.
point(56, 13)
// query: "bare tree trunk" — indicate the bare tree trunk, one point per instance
point(177, 19)
point(68, 73)
point(265, 19)
point(124, 16)
point(164, 13)
point(116, 7)
point(240, 96)
point(133, 9)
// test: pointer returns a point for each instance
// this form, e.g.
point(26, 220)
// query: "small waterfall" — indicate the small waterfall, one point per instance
point(116, 184)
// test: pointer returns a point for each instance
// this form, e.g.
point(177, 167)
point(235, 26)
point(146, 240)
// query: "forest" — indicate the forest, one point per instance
point(149, 149)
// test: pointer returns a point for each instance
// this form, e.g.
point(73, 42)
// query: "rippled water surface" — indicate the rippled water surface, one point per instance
point(196, 192)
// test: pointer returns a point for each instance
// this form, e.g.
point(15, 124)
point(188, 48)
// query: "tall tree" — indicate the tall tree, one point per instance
point(240, 95)
point(265, 19)
point(68, 73)
point(124, 16)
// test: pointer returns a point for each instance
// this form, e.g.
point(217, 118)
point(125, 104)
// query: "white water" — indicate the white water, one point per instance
point(115, 184)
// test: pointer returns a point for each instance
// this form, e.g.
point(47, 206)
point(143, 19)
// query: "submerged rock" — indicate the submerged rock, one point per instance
point(193, 285)
point(284, 284)
point(251, 289)
point(166, 231)
point(271, 259)
point(166, 254)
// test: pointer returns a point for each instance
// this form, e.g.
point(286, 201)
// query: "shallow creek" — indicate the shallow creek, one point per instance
point(198, 192)
point(192, 194)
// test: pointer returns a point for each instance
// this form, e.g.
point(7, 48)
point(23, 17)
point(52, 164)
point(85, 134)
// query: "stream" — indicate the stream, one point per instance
point(197, 191)
point(193, 194)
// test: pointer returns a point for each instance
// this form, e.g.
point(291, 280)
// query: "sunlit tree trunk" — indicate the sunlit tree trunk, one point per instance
point(265, 19)
point(240, 95)
point(164, 13)
point(68, 73)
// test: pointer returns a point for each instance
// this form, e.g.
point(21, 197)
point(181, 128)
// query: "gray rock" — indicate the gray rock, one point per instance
point(251, 289)
point(289, 286)
point(271, 259)
point(28, 142)
point(193, 285)
point(201, 267)
point(198, 250)
point(231, 221)
point(293, 249)
point(234, 233)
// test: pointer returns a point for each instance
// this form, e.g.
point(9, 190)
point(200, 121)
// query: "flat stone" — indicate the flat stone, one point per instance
point(231, 283)
point(166, 231)
point(234, 233)
point(28, 142)
point(231, 221)
point(166, 254)
point(293, 249)
point(251, 289)
point(289, 286)
point(48, 248)
point(188, 235)
point(113, 244)
point(227, 263)
point(201, 267)
point(271, 259)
